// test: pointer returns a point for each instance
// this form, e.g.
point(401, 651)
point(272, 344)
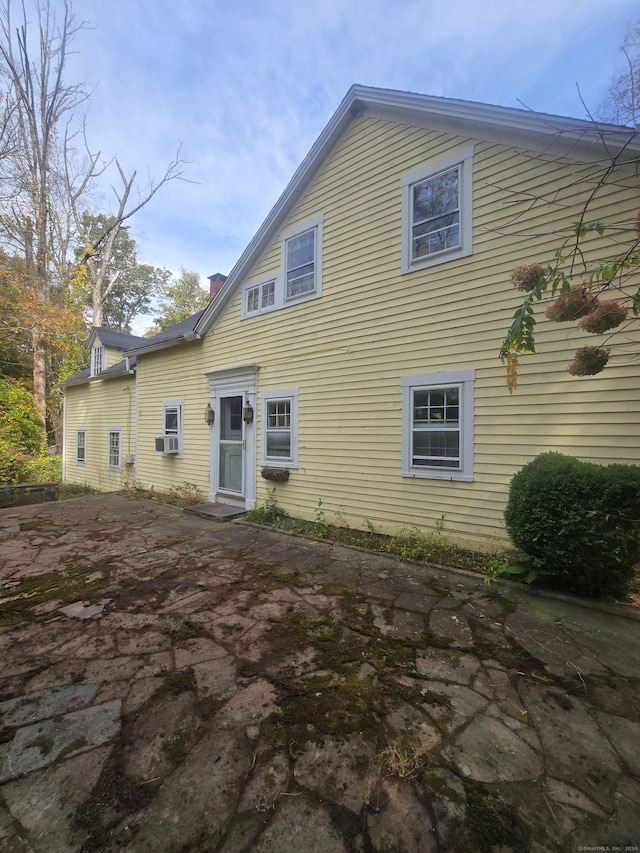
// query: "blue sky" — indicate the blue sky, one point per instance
point(245, 88)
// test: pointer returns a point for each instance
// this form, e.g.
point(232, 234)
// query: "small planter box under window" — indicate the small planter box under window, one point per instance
point(276, 475)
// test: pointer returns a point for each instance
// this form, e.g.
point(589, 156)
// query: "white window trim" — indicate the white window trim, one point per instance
point(465, 380)
point(95, 350)
point(179, 405)
point(290, 394)
point(260, 282)
point(81, 461)
point(117, 430)
point(463, 158)
point(315, 224)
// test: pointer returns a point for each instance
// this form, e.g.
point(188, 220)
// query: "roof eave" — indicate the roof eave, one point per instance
point(69, 383)
point(186, 338)
point(553, 135)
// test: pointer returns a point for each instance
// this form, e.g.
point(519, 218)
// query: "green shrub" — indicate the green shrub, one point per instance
point(579, 522)
point(23, 468)
point(23, 456)
point(20, 428)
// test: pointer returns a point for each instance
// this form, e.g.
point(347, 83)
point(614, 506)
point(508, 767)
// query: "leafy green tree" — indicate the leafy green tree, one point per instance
point(21, 438)
point(15, 336)
point(19, 424)
point(45, 178)
point(41, 103)
point(127, 288)
point(181, 298)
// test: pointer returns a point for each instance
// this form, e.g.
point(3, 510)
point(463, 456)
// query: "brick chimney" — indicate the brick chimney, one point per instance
point(215, 283)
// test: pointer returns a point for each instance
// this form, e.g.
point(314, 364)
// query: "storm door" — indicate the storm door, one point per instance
point(231, 445)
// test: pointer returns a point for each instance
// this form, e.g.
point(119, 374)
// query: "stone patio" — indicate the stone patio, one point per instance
point(170, 683)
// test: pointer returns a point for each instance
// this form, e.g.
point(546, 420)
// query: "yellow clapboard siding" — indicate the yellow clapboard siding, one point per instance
point(97, 407)
point(347, 351)
point(173, 375)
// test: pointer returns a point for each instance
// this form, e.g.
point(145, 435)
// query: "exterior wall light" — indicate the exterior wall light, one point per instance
point(209, 415)
point(247, 413)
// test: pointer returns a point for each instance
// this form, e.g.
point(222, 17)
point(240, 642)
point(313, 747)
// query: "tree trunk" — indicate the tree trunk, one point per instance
point(40, 375)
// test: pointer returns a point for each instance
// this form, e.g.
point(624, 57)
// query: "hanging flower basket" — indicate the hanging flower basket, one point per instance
point(526, 277)
point(572, 305)
point(607, 315)
point(588, 361)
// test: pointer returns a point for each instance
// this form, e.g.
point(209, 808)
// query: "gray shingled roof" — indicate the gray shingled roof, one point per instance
point(83, 375)
point(173, 333)
point(117, 340)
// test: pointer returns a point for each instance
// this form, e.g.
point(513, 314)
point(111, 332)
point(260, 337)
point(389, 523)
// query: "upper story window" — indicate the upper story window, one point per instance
point(437, 430)
point(437, 212)
point(97, 360)
point(299, 277)
point(259, 297)
point(301, 264)
point(280, 428)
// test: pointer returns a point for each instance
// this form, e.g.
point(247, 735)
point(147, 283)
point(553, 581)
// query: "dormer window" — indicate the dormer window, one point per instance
point(97, 360)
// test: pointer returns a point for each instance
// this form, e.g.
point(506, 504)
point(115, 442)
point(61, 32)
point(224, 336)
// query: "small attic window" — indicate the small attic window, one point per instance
point(97, 360)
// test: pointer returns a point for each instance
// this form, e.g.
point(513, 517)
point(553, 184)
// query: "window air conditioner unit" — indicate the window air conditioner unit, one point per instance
point(167, 444)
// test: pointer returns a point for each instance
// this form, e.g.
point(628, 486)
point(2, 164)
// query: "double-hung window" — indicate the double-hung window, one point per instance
point(280, 428)
point(301, 268)
point(437, 212)
point(302, 260)
point(81, 446)
point(437, 411)
point(114, 458)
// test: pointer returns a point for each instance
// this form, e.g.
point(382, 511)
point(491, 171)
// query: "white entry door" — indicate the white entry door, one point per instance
point(233, 441)
point(231, 445)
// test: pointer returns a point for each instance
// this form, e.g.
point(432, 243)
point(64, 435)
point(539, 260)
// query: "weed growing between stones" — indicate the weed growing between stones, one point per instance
point(75, 583)
point(178, 682)
point(177, 745)
point(325, 704)
point(184, 629)
point(404, 757)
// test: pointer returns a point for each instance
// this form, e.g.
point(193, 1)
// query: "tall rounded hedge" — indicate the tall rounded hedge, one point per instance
point(579, 522)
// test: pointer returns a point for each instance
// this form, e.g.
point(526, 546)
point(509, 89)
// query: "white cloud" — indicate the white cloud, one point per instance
point(246, 87)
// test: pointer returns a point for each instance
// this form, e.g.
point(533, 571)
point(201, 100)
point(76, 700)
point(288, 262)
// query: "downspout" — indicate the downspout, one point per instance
point(137, 427)
point(64, 435)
